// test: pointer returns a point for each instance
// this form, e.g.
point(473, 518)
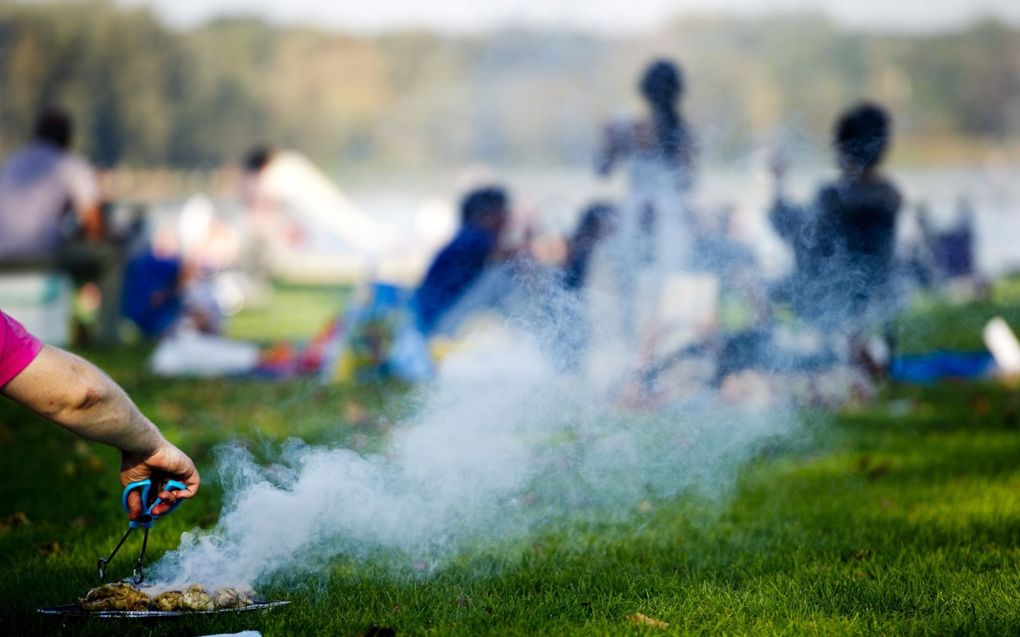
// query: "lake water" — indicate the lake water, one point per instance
point(424, 205)
point(554, 197)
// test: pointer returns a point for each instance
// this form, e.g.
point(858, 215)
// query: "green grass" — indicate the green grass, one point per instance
point(902, 517)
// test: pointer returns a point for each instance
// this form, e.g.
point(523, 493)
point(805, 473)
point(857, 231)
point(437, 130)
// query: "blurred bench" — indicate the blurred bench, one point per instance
point(40, 292)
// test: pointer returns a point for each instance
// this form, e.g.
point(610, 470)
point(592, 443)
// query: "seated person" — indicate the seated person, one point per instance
point(161, 292)
point(484, 214)
point(152, 296)
point(843, 244)
point(39, 184)
point(51, 217)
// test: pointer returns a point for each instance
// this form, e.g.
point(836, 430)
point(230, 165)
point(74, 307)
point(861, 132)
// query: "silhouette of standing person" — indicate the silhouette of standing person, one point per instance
point(658, 152)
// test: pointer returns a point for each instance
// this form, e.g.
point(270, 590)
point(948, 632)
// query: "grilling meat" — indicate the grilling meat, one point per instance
point(116, 596)
point(233, 597)
point(125, 597)
point(168, 601)
point(195, 598)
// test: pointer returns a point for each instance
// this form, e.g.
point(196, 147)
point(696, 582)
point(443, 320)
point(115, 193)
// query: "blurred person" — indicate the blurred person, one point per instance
point(299, 214)
point(266, 223)
point(51, 216)
point(659, 152)
point(598, 221)
point(162, 290)
point(40, 186)
point(461, 263)
point(653, 238)
point(843, 244)
point(74, 394)
point(955, 246)
point(385, 331)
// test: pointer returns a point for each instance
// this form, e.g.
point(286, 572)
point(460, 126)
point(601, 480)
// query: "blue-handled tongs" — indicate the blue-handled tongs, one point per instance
point(144, 521)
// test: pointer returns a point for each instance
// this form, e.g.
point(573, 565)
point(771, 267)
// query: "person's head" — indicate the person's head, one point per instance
point(54, 127)
point(486, 208)
point(861, 137)
point(257, 158)
point(662, 84)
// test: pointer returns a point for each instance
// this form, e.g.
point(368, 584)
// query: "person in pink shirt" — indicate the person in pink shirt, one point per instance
point(76, 395)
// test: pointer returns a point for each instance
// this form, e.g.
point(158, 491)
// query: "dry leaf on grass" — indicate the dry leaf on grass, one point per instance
point(50, 548)
point(81, 522)
point(14, 520)
point(640, 619)
point(861, 555)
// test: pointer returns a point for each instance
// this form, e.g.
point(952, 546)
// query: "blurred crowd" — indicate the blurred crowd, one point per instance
point(648, 294)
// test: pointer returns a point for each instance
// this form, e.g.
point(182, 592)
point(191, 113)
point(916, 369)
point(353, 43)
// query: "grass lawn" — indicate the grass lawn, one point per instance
point(902, 517)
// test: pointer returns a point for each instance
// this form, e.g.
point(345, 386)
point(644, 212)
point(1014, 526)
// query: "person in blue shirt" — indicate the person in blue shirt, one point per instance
point(484, 214)
point(152, 295)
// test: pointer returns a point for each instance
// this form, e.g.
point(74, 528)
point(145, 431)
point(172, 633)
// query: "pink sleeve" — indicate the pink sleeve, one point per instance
point(18, 348)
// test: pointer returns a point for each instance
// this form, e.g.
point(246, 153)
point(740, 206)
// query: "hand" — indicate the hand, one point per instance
point(165, 463)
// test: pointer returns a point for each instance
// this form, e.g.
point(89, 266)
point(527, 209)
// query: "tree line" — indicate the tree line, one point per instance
point(144, 94)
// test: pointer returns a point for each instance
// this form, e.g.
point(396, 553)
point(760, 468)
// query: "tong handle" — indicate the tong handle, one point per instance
point(148, 518)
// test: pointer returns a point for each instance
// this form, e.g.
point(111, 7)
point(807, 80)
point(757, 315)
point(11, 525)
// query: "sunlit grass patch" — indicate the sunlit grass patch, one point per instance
point(898, 518)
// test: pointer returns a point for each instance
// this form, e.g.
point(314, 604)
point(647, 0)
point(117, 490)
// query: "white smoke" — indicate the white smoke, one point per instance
point(502, 446)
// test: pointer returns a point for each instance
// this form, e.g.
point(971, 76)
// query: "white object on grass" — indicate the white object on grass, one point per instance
point(1004, 346)
point(189, 353)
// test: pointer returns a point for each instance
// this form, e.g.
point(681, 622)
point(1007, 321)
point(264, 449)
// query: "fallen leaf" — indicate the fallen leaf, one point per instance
point(50, 548)
point(861, 554)
point(981, 406)
point(354, 413)
point(81, 522)
point(13, 520)
point(640, 619)
point(209, 519)
point(878, 471)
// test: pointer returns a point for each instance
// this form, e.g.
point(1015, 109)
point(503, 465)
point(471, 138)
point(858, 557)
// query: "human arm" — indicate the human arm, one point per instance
point(91, 219)
point(76, 395)
point(787, 219)
point(610, 149)
point(82, 184)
